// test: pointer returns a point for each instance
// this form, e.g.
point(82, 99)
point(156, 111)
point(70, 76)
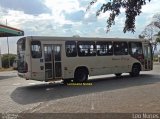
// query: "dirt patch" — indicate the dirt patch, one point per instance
point(6, 69)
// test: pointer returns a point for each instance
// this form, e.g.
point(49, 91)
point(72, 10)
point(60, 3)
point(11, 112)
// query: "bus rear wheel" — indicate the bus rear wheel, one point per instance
point(80, 76)
point(118, 74)
point(135, 71)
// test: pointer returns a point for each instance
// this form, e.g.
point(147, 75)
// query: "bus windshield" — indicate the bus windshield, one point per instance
point(21, 55)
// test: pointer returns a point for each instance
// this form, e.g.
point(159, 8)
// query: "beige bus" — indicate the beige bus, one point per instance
point(77, 58)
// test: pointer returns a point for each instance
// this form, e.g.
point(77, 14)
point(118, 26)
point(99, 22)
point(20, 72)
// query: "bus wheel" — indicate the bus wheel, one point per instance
point(81, 75)
point(118, 74)
point(135, 71)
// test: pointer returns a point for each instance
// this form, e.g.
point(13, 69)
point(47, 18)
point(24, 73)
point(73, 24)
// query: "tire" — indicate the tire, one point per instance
point(118, 74)
point(80, 76)
point(135, 71)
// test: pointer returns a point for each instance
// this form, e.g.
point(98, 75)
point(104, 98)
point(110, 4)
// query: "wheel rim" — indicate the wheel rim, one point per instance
point(82, 76)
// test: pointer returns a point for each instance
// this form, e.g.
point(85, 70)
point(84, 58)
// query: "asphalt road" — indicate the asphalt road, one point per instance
point(106, 94)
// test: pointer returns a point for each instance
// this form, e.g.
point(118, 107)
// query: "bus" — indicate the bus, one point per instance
point(46, 59)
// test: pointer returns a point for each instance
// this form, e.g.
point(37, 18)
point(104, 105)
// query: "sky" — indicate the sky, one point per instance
point(66, 18)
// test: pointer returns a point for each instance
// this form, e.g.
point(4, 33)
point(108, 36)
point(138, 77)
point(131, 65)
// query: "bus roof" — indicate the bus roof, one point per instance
point(46, 38)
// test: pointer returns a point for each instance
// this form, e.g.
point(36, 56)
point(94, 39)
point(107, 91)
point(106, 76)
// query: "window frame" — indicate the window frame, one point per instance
point(71, 43)
point(130, 48)
point(36, 42)
point(80, 54)
point(107, 43)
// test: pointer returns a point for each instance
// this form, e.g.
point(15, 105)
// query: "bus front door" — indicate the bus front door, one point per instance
point(148, 64)
point(52, 56)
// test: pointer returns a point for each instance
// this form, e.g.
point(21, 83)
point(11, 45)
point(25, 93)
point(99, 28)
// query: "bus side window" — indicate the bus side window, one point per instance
point(71, 50)
point(36, 51)
point(104, 48)
point(120, 48)
point(135, 48)
point(110, 48)
point(86, 48)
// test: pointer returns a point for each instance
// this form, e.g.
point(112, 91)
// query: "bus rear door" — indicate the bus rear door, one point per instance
point(52, 61)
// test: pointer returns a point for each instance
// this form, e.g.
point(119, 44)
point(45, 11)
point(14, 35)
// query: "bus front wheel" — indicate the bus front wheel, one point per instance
point(135, 71)
point(81, 75)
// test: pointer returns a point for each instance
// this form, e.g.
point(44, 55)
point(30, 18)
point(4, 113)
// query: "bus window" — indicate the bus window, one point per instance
point(120, 48)
point(104, 48)
point(149, 52)
point(21, 63)
point(57, 51)
point(135, 48)
point(48, 53)
point(86, 48)
point(21, 44)
point(36, 49)
point(71, 50)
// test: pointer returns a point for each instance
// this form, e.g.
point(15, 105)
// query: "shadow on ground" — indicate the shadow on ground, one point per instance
point(46, 92)
point(6, 77)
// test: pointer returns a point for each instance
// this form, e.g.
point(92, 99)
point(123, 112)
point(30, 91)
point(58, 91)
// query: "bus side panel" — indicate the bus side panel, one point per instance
point(95, 65)
point(37, 67)
point(121, 63)
point(28, 59)
point(102, 65)
point(37, 73)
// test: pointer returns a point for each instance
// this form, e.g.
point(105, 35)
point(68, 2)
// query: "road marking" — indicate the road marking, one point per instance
point(16, 84)
point(32, 83)
point(48, 89)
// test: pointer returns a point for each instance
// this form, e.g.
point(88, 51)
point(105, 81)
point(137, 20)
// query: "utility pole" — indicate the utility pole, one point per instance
point(8, 49)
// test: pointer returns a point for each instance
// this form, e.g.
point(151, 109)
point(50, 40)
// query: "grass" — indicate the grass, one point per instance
point(6, 69)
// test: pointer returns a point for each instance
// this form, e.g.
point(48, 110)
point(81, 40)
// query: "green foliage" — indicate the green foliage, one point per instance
point(155, 59)
point(132, 9)
point(151, 30)
point(5, 59)
point(156, 19)
point(141, 36)
point(158, 38)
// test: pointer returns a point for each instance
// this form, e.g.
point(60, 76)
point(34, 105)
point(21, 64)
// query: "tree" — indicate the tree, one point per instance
point(153, 26)
point(158, 38)
point(5, 60)
point(132, 9)
point(156, 20)
point(141, 36)
point(150, 31)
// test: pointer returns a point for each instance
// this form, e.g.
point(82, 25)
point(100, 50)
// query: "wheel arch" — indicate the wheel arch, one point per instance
point(137, 64)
